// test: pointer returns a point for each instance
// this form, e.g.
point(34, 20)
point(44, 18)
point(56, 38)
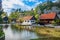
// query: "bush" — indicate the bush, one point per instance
point(57, 22)
point(0, 19)
point(1, 31)
point(21, 20)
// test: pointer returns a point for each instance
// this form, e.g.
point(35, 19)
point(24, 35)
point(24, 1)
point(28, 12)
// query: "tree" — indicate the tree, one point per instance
point(32, 12)
point(46, 5)
point(57, 22)
point(14, 15)
point(1, 12)
point(57, 3)
point(4, 14)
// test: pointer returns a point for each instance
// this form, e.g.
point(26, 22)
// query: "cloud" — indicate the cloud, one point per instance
point(7, 5)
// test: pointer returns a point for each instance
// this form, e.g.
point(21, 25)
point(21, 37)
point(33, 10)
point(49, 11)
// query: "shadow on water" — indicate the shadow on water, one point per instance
point(6, 26)
point(12, 33)
point(15, 34)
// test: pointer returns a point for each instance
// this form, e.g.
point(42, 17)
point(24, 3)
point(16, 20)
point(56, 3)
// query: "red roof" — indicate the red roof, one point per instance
point(27, 17)
point(51, 15)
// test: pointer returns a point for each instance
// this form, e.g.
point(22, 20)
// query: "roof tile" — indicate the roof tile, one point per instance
point(27, 17)
point(48, 16)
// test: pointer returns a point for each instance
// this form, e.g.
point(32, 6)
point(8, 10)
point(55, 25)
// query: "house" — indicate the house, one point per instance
point(28, 20)
point(48, 18)
point(13, 20)
point(5, 19)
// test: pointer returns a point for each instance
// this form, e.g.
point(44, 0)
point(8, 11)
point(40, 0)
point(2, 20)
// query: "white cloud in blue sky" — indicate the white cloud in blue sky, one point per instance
point(23, 4)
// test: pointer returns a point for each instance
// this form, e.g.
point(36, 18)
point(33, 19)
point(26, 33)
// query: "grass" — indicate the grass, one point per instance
point(51, 38)
point(1, 33)
point(45, 32)
point(51, 32)
point(48, 33)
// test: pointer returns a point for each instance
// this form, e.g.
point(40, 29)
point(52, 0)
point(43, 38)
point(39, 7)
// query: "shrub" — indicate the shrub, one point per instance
point(57, 22)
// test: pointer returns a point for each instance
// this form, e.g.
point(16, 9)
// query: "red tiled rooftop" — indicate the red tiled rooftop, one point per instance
point(27, 17)
point(48, 16)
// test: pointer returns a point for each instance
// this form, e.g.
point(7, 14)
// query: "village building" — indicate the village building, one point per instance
point(5, 19)
point(48, 18)
point(28, 20)
point(13, 20)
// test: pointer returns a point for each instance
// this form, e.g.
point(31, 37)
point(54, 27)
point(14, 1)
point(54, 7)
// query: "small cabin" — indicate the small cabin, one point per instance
point(13, 20)
point(5, 19)
point(28, 20)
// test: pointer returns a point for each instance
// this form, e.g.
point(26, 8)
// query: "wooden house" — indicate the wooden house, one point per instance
point(48, 18)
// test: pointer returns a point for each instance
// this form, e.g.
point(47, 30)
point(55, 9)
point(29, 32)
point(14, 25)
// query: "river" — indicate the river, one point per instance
point(13, 34)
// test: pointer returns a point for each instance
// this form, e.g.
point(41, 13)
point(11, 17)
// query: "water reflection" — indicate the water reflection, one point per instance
point(12, 34)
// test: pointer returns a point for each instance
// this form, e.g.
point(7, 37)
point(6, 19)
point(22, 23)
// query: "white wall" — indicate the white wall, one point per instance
point(28, 22)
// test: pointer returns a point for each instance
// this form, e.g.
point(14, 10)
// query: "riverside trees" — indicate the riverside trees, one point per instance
point(39, 9)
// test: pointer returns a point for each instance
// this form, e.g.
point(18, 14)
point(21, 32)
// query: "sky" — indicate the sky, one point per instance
point(7, 5)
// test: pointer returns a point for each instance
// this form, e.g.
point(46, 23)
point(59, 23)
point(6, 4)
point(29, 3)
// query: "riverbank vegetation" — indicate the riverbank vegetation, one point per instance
point(18, 14)
point(50, 38)
point(1, 32)
point(44, 32)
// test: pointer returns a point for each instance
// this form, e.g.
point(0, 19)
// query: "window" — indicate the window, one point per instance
point(32, 21)
point(28, 21)
point(25, 20)
point(59, 13)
